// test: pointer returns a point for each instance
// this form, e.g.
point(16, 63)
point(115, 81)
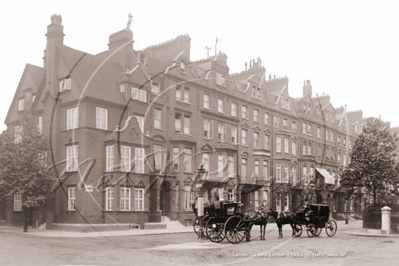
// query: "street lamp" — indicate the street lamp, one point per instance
point(200, 200)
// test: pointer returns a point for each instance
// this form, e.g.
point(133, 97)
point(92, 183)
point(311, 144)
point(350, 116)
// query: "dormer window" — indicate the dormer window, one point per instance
point(21, 105)
point(220, 79)
point(308, 109)
point(304, 108)
point(28, 97)
point(143, 59)
point(182, 67)
point(122, 87)
point(285, 103)
point(138, 94)
point(256, 92)
point(155, 87)
point(65, 84)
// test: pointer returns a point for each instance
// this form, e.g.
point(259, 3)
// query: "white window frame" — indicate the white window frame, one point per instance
point(285, 124)
point(139, 199)
point(208, 125)
point(275, 121)
point(158, 157)
point(230, 166)
point(304, 128)
point(155, 87)
point(278, 201)
point(139, 155)
point(110, 154)
point(244, 136)
point(234, 109)
point(244, 165)
point(220, 106)
point(139, 94)
point(293, 125)
point(267, 142)
point(293, 148)
point(126, 153)
point(205, 161)
point(265, 170)
point(157, 118)
point(206, 101)
point(286, 145)
point(256, 140)
point(278, 144)
point(125, 199)
point(122, 87)
point(278, 172)
point(293, 174)
point(65, 84)
point(72, 157)
point(17, 201)
point(256, 168)
point(21, 105)
point(244, 112)
point(178, 122)
point(309, 149)
point(187, 122)
point(266, 119)
point(318, 132)
point(109, 198)
point(187, 198)
point(178, 93)
point(234, 133)
point(72, 118)
point(220, 79)
point(188, 160)
point(101, 118)
point(71, 198)
point(286, 174)
point(186, 95)
point(176, 158)
point(256, 115)
point(221, 163)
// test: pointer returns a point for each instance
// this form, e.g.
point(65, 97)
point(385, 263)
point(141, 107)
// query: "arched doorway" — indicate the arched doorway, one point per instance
point(165, 198)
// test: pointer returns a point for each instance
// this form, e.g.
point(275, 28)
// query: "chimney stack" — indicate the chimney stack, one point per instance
point(307, 88)
point(55, 37)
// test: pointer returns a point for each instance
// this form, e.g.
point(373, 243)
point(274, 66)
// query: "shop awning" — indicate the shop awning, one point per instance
point(328, 179)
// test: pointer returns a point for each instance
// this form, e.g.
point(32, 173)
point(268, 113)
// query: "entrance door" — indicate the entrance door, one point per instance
point(165, 198)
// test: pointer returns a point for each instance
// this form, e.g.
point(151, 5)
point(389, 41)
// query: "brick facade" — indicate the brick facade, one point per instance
point(253, 138)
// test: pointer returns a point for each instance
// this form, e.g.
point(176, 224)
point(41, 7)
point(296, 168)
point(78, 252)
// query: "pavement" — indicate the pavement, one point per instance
point(352, 228)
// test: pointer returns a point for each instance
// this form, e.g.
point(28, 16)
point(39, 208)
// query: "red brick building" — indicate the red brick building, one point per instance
point(134, 127)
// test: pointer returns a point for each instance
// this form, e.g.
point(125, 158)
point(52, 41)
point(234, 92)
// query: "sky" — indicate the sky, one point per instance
point(347, 49)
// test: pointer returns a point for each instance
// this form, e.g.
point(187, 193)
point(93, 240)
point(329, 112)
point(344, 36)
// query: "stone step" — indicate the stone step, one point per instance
point(155, 226)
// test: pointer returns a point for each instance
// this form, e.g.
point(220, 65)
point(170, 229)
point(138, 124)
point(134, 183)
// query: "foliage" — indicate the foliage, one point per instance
point(372, 166)
point(23, 166)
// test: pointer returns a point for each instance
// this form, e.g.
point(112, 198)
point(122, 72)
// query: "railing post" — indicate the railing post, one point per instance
point(385, 220)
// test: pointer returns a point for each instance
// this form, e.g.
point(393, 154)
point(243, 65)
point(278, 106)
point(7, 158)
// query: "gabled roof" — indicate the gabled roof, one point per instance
point(31, 78)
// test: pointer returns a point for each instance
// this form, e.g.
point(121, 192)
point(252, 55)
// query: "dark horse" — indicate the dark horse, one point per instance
point(259, 219)
point(283, 219)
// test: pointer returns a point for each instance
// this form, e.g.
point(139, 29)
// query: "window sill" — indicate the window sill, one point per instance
point(182, 101)
point(221, 112)
point(244, 145)
point(158, 129)
point(207, 108)
point(188, 172)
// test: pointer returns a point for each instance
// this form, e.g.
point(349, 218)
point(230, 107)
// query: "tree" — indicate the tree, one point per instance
point(372, 165)
point(23, 166)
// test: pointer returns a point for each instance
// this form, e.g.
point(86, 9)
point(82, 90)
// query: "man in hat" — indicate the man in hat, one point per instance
point(215, 194)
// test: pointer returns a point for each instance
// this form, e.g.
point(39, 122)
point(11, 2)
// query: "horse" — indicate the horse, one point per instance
point(281, 220)
point(260, 219)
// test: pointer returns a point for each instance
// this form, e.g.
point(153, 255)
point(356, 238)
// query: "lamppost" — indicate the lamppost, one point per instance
point(200, 200)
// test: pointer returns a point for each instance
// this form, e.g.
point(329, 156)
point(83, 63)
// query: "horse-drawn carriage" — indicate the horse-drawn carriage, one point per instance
point(225, 220)
point(317, 219)
point(314, 218)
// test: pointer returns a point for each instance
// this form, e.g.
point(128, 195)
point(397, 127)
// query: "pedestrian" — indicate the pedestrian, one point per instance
point(215, 194)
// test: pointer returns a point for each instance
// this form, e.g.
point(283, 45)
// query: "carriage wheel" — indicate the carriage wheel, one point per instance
point(214, 231)
point(331, 228)
point(311, 230)
point(235, 229)
point(196, 225)
point(298, 230)
point(318, 231)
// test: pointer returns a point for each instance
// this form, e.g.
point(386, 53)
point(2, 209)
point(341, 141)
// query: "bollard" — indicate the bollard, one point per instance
point(385, 220)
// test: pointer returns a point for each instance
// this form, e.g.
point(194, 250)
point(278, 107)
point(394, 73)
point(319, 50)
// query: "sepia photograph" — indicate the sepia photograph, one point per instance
point(199, 132)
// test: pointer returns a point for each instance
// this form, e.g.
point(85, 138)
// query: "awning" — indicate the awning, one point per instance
point(328, 179)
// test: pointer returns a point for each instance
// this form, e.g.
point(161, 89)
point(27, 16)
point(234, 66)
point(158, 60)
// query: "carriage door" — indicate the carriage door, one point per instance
point(165, 198)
